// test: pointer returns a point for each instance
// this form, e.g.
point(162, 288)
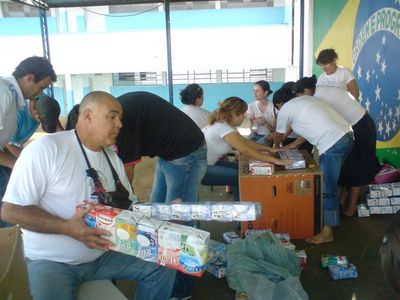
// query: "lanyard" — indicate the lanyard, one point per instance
point(92, 173)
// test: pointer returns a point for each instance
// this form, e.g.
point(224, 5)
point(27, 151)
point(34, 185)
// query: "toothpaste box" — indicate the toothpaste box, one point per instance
point(161, 211)
point(201, 211)
point(181, 212)
point(221, 211)
point(143, 209)
point(147, 238)
point(183, 248)
point(257, 167)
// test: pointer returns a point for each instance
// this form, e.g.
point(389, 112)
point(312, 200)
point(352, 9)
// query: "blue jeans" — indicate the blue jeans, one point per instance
point(50, 280)
point(223, 173)
point(330, 163)
point(5, 174)
point(179, 178)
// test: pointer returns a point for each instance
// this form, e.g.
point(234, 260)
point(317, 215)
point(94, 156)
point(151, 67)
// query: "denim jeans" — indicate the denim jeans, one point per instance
point(5, 174)
point(50, 280)
point(223, 173)
point(330, 163)
point(179, 178)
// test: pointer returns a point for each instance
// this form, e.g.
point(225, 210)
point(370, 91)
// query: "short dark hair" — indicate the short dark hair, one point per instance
point(305, 83)
point(326, 56)
point(38, 66)
point(283, 95)
point(265, 86)
point(72, 117)
point(390, 253)
point(190, 93)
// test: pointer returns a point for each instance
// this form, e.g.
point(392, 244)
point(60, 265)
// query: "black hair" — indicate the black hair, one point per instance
point(72, 117)
point(288, 85)
point(283, 95)
point(390, 253)
point(326, 56)
point(38, 66)
point(265, 86)
point(190, 93)
point(305, 83)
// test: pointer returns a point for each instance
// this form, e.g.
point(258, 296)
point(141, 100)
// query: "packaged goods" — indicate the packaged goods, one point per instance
point(181, 212)
point(363, 210)
point(216, 261)
point(201, 211)
point(161, 211)
point(230, 237)
point(143, 209)
point(257, 167)
point(125, 232)
point(183, 248)
point(296, 156)
point(100, 216)
point(336, 260)
point(342, 272)
point(147, 242)
point(207, 211)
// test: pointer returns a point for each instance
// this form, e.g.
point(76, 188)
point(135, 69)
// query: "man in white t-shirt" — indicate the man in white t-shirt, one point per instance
point(324, 128)
point(61, 250)
point(28, 80)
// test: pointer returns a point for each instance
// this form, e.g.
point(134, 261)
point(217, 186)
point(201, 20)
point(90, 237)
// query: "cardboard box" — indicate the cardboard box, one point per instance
point(291, 199)
point(14, 282)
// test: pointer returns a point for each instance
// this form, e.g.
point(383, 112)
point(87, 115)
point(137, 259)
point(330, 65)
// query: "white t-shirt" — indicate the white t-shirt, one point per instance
point(198, 114)
point(50, 173)
point(342, 101)
point(314, 120)
point(339, 79)
point(216, 145)
point(11, 100)
point(254, 111)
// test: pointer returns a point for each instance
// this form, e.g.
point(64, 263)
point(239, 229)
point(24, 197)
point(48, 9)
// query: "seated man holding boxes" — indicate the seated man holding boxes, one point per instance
point(61, 250)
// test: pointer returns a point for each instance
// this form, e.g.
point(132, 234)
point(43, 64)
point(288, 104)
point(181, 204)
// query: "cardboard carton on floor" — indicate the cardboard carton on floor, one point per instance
point(13, 273)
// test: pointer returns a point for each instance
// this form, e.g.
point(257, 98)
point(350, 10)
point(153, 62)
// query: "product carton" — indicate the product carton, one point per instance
point(183, 248)
point(126, 231)
point(147, 238)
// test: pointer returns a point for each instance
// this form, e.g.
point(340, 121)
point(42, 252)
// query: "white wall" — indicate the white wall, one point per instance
point(194, 49)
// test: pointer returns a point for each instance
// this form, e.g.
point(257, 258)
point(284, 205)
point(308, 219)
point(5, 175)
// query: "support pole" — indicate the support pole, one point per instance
point(45, 42)
point(169, 55)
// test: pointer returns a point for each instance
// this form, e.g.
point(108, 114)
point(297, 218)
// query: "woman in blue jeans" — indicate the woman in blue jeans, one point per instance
point(221, 136)
point(323, 127)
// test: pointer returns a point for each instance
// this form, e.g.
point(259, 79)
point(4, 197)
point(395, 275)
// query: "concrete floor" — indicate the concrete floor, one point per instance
point(358, 239)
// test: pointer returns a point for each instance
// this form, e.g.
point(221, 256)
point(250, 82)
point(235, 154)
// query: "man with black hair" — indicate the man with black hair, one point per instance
point(29, 79)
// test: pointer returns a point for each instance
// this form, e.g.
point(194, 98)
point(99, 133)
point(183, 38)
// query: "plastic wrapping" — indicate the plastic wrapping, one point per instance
point(263, 269)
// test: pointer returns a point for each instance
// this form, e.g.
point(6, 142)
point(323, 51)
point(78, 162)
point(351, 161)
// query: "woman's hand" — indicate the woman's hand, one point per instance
point(284, 162)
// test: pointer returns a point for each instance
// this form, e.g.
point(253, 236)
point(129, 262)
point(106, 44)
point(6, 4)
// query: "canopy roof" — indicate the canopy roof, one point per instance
point(46, 4)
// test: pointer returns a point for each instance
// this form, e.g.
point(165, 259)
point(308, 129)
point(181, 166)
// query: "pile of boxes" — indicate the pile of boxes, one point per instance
point(381, 199)
point(172, 245)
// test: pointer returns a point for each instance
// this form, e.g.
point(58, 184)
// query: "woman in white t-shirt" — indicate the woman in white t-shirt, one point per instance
point(193, 98)
point(334, 75)
point(360, 166)
point(221, 136)
point(324, 128)
point(261, 113)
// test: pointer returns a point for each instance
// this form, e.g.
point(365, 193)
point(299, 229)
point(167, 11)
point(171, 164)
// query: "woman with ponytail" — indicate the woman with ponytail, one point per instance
point(221, 136)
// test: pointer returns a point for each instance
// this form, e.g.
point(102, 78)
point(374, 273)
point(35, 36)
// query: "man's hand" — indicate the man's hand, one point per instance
point(91, 237)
